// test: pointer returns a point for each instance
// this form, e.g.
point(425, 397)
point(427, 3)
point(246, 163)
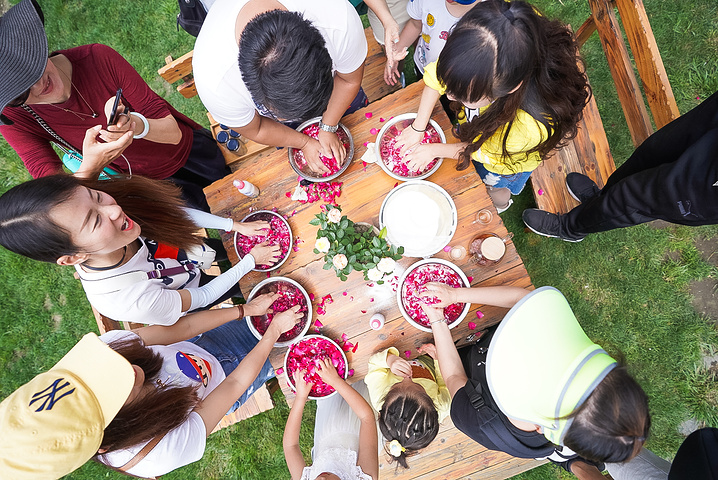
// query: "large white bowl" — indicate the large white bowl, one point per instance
point(404, 120)
point(308, 174)
point(291, 240)
point(286, 370)
point(255, 292)
point(399, 300)
point(419, 216)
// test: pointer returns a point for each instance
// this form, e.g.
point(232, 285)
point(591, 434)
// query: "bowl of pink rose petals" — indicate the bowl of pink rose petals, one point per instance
point(291, 293)
point(413, 283)
point(390, 158)
point(299, 163)
point(279, 233)
point(305, 354)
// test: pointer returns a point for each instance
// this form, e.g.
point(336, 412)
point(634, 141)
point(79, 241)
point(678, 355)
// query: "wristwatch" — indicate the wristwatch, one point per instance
point(328, 128)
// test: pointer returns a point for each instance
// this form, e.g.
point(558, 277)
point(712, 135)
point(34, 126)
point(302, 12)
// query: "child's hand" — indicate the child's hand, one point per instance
point(260, 304)
point(399, 366)
point(443, 292)
point(303, 387)
point(408, 139)
point(284, 321)
point(328, 373)
point(249, 229)
point(265, 254)
point(428, 349)
point(419, 157)
point(435, 315)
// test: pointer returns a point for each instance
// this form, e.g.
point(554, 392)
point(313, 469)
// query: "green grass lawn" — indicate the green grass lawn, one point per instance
point(629, 288)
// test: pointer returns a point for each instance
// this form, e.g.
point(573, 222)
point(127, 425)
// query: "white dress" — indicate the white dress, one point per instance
point(336, 439)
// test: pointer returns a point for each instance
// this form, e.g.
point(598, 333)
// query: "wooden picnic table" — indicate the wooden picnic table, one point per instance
point(452, 455)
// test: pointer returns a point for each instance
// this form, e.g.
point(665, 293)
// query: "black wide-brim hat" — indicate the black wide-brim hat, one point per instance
point(23, 52)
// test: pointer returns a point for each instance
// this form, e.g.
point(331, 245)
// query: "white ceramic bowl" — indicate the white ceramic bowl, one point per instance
point(403, 121)
point(399, 296)
point(419, 216)
point(306, 173)
point(290, 381)
point(253, 216)
point(256, 291)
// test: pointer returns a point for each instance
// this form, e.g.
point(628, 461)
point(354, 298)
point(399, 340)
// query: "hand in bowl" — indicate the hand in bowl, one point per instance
point(260, 305)
point(399, 366)
point(302, 386)
point(419, 157)
point(444, 293)
point(266, 254)
point(250, 229)
point(408, 139)
point(283, 322)
point(312, 150)
point(332, 146)
point(328, 373)
point(435, 315)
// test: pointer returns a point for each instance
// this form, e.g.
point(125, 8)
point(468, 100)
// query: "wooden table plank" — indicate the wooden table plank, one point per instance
point(363, 191)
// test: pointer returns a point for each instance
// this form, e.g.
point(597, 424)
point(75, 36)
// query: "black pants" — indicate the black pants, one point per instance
point(205, 165)
point(672, 176)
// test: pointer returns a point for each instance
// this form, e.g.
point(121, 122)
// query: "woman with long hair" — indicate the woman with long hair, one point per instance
point(535, 386)
point(129, 240)
point(142, 401)
point(517, 75)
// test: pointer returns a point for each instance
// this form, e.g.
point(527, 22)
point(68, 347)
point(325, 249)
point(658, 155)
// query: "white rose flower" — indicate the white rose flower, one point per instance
point(334, 215)
point(386, 265)
point(322, 244)
point(374, 274)
point(340, 261)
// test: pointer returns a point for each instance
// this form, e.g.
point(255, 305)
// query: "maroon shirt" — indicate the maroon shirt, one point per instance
point(97, 72)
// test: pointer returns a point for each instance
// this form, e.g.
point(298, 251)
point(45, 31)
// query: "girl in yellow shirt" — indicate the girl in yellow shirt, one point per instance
point(517, 76)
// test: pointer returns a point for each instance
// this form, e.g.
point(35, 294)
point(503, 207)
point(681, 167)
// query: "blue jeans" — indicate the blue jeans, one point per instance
point(230, 343)
point(515, 183)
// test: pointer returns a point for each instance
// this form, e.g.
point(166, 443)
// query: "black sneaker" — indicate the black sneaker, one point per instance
point(545, 223)
point(581, 187)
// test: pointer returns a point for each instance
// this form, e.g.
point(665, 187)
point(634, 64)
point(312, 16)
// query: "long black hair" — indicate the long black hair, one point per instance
point(27, 228)
point(499, 46)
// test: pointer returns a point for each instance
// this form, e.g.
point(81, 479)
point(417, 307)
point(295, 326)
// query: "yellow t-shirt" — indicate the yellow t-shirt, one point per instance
point(525, 134)
point(380, 379)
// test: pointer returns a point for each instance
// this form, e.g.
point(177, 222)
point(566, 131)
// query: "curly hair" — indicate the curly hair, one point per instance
point(509, 52)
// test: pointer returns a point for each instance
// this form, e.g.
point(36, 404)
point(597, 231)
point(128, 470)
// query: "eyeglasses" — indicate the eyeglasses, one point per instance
point(19, 100)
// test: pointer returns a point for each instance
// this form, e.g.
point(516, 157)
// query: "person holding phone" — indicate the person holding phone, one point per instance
point(67, 98)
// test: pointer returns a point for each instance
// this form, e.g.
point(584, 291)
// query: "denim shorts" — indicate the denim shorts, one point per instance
point(229, 344)
point(515, 182)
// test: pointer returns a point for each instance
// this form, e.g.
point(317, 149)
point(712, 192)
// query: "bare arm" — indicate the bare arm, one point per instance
point(200, 322)
point(408, 36)
point(451, 367)
point(367, 457)
point(504, 296)
point(290, 441)
point(216, 404)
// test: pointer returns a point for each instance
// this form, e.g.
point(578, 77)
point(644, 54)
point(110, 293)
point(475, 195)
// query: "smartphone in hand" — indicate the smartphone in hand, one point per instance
point(113, 114)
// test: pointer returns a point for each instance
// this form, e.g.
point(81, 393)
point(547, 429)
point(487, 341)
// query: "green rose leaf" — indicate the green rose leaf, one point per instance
point(327, 266)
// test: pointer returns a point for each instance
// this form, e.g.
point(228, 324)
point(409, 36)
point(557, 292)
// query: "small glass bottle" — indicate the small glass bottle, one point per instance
point(246, 188)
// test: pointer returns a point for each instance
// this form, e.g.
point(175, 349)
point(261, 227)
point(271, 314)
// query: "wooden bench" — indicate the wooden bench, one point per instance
point(589, 152)
point(181, 70)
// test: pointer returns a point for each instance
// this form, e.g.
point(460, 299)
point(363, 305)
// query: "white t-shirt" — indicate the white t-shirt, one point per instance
point(215, 60)
point(184, 364)
point(436, 22)
point(147, 301)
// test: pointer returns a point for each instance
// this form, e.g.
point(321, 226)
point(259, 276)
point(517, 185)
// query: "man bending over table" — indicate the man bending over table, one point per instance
point(261, 65)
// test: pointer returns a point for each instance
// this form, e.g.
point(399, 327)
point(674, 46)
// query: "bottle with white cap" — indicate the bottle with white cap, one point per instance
point(246, 188)
point(376, 322)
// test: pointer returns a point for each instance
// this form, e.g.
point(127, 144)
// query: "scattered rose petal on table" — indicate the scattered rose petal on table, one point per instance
point(540, 191)
point(368, 114)
point(407, 353)
point(363, 311)
point(373, 131)
point(356, 345)
point(344, 293)
point(472, 326)
point(371, 299)
point(479, 314)
point(311, 297)
point(470, 279)
point(447, 248)
point(279, 371)
point(395, 185)
point(350, 373)
point(381, 119)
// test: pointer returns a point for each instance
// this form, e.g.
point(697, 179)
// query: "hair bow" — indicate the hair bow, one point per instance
point(395, 448)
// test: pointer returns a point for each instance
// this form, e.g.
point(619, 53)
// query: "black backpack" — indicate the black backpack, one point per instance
point(191, 16)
